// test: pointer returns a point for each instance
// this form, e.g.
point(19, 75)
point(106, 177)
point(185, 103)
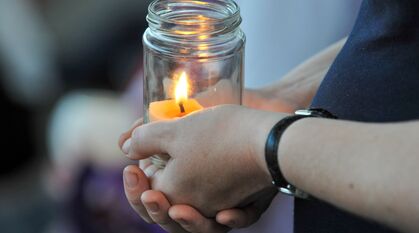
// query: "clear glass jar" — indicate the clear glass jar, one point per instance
point(197, 41)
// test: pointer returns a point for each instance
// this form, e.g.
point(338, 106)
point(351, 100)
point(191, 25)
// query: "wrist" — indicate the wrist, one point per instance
point(292, 146)
point(272, 149)
point(260, 134)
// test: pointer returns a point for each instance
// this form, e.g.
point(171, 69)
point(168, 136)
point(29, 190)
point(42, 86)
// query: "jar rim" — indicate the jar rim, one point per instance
point(192, 28)
point(230, 15)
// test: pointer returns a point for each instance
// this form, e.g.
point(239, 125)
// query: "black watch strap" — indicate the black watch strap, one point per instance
point(271, 149)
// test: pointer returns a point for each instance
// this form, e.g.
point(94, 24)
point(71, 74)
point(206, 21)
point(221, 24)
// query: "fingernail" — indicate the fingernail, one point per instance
point(182, 222)
point(126, 146)
point(131, 179)
point(231, 223)
point(153, 207)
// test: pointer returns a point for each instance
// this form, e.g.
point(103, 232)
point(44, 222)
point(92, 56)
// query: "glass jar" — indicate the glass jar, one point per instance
point(193, 58)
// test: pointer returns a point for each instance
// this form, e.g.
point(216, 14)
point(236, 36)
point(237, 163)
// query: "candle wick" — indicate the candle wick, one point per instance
point(182, 108)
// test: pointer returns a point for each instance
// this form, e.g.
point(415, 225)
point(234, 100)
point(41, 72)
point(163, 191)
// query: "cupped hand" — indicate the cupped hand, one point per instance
point(153, 207)
point(181, 218)
point(216, 157)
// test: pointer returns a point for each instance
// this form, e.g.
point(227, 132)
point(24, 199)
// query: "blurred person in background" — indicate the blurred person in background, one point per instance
point(49, 49)
point(29, 83)
point(101, 50)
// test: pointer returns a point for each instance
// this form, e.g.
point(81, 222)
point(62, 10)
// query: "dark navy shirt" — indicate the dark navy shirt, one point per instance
point(375, 78)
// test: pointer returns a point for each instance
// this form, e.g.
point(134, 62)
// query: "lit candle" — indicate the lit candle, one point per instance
point(178, 107)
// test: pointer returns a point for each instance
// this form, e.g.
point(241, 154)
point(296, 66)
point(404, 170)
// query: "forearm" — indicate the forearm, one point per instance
point(368, 169)
point(299, 86)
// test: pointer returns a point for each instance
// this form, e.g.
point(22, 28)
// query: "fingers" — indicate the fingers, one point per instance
point(137, 187)
point(192, 221)
point(128, 133)
point(158, 207)
point(237, 218)
point(136, 183)
point(244, 217)
point(150, 139)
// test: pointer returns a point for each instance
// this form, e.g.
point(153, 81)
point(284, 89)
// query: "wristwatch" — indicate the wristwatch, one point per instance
point(271, 149)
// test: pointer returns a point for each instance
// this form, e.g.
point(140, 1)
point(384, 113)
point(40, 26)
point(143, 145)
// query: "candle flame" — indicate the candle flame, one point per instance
point(181, 88)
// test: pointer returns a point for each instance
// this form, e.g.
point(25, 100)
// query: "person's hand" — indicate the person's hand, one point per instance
point(139, 195)
point(268, 100)
point(184, 218)
point(216, 156)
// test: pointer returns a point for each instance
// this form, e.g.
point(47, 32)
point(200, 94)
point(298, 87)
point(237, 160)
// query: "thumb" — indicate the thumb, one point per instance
point(135, 184)
point(150, 139)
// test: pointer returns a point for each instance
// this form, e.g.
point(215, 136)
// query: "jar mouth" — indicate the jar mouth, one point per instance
point(192, 17)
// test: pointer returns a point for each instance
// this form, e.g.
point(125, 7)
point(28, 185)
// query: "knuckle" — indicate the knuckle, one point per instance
point(139, 136)
point(138, 132)
point(136, 202)
point(133, 199)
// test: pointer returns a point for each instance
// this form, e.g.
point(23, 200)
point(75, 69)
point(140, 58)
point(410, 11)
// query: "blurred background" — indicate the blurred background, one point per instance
point(71, 82)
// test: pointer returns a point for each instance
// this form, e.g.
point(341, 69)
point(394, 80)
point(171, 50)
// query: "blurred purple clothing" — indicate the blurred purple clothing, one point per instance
point(99, 205)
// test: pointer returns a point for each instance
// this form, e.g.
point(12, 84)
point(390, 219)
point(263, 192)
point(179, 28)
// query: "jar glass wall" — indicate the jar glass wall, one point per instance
point(197, 41)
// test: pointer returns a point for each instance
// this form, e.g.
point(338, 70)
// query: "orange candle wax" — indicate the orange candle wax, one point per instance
point(177, 107)
point(169, 109)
